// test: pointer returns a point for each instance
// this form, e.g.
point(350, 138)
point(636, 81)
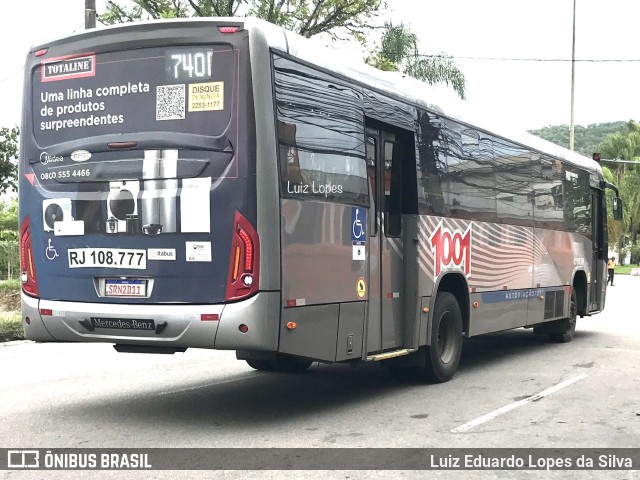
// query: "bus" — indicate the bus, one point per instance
point(223, 183)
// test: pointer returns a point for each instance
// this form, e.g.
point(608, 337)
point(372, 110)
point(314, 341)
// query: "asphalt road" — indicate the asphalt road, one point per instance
point(83, 395)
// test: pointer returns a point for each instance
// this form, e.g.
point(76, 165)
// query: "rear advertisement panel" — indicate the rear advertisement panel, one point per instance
point(175, 90)
point(133, 163)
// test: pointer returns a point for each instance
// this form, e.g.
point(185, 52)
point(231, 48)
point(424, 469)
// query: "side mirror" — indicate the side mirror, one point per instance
point(617, 208)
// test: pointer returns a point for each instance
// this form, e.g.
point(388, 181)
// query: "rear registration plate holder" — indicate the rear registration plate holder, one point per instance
point(119, 287)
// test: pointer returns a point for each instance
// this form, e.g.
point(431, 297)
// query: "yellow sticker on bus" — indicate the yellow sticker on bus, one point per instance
point(206, 96)
point(361, 288)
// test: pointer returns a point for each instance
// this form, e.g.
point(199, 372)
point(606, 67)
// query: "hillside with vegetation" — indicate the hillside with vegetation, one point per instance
point(587, 139)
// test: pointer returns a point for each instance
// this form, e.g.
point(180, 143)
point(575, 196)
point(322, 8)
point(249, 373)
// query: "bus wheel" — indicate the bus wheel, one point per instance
point(261, 365)
point(291, 364)
point(568, 324)
point(281, 363)
point(443, 355)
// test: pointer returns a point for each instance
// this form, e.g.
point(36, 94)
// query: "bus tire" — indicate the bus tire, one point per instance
point(281, 363)
point(288, 364)
point(568, 325)
point(443, 355)
point(261, 365)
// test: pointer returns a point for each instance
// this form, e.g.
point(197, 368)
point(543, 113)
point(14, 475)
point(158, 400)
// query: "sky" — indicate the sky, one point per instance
point(523, 92)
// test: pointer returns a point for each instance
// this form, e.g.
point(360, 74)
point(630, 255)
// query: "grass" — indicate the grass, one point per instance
point(10, 322)
point(625, 269)
point(7, 285)
point(11, 326)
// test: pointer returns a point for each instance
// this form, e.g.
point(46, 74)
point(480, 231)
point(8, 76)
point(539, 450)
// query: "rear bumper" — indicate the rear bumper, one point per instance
point(184, 328)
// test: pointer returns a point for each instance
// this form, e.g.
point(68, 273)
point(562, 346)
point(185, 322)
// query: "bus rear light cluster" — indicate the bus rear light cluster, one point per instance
point(27, 263)
point(245, 261)
point(228, 29)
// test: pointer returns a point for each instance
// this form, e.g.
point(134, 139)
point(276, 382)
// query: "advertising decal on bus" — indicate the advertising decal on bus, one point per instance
point(71, 66)
point(451, 248)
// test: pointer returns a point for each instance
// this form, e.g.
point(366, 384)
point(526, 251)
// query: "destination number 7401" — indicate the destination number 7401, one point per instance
point(107, 257)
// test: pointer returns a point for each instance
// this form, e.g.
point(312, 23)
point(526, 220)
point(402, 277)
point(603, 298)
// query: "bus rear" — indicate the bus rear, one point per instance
point(137, 187)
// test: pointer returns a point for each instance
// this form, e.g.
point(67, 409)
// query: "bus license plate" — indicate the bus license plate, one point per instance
point(107, 257)
point(125, 288)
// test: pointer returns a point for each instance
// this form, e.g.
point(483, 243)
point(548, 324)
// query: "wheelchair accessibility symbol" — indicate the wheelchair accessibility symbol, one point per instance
point(50, 252)
point(358, 224)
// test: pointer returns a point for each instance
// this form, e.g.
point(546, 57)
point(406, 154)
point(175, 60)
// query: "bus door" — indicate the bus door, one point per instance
point(385, 313)
point(599, 251)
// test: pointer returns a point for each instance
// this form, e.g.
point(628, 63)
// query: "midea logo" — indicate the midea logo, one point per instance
point(45, 158)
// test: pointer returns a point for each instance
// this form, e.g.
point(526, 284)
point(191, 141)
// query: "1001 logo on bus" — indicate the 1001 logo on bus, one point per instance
point(451, 248)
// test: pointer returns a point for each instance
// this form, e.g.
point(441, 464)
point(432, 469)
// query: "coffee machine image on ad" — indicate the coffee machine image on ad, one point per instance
point(159, 174)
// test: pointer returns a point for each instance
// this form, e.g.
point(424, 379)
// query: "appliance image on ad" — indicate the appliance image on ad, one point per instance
point(122, 207)
point(159, 174)
point(55, 210)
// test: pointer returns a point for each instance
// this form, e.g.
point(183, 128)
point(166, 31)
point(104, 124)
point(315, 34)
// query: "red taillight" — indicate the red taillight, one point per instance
point(228, 29)
point(27, 260)
point(245, 262)
point(248, 250)
point(41, 52)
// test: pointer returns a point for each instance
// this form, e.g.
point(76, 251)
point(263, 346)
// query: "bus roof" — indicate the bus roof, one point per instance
point(396, 84)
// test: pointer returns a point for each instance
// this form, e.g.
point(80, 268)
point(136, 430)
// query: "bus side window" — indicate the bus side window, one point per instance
point(371, 174)
point(392, 189)
point(431, 166)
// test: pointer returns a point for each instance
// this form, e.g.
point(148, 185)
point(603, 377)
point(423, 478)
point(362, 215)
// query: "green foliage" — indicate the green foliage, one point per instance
point(399, 52)
point(626, 269)
point(9, 219)
point(9, 252)
point(625, 145)
point(10, 286)
point(9, 259)
point(8, 158)
point(635, 253)
point(587, 139)
point(306, 17)
point(11, 326)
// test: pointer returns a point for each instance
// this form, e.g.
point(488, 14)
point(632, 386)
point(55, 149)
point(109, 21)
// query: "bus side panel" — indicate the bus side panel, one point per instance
point(318, 263)
point(316, 332)
point(511, 270)
point(554, 257)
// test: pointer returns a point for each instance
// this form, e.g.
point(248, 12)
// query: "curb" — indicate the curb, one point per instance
point(14, 343)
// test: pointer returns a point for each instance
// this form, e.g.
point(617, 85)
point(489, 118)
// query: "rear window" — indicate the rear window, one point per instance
point(180, 90)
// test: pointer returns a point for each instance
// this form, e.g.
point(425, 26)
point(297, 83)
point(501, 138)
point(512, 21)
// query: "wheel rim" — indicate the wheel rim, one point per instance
point(573, 313)
point(446, 338)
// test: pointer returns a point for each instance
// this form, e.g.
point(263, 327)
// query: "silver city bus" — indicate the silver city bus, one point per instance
point(222, 183)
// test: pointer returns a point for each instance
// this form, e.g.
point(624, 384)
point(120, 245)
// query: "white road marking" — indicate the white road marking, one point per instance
point(512, 406)
point(205, 386)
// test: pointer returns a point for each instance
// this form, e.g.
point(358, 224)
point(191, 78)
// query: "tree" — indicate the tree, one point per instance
point(306, 17)
point(587, 139)
point(399, 52)
point(8, 158)
point(625, 146)
point(9, 253)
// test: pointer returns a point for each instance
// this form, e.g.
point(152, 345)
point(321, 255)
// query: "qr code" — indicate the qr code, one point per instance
point(170, 102)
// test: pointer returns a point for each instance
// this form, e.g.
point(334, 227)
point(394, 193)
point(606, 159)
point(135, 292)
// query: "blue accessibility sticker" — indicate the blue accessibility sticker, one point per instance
point(358, 224)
